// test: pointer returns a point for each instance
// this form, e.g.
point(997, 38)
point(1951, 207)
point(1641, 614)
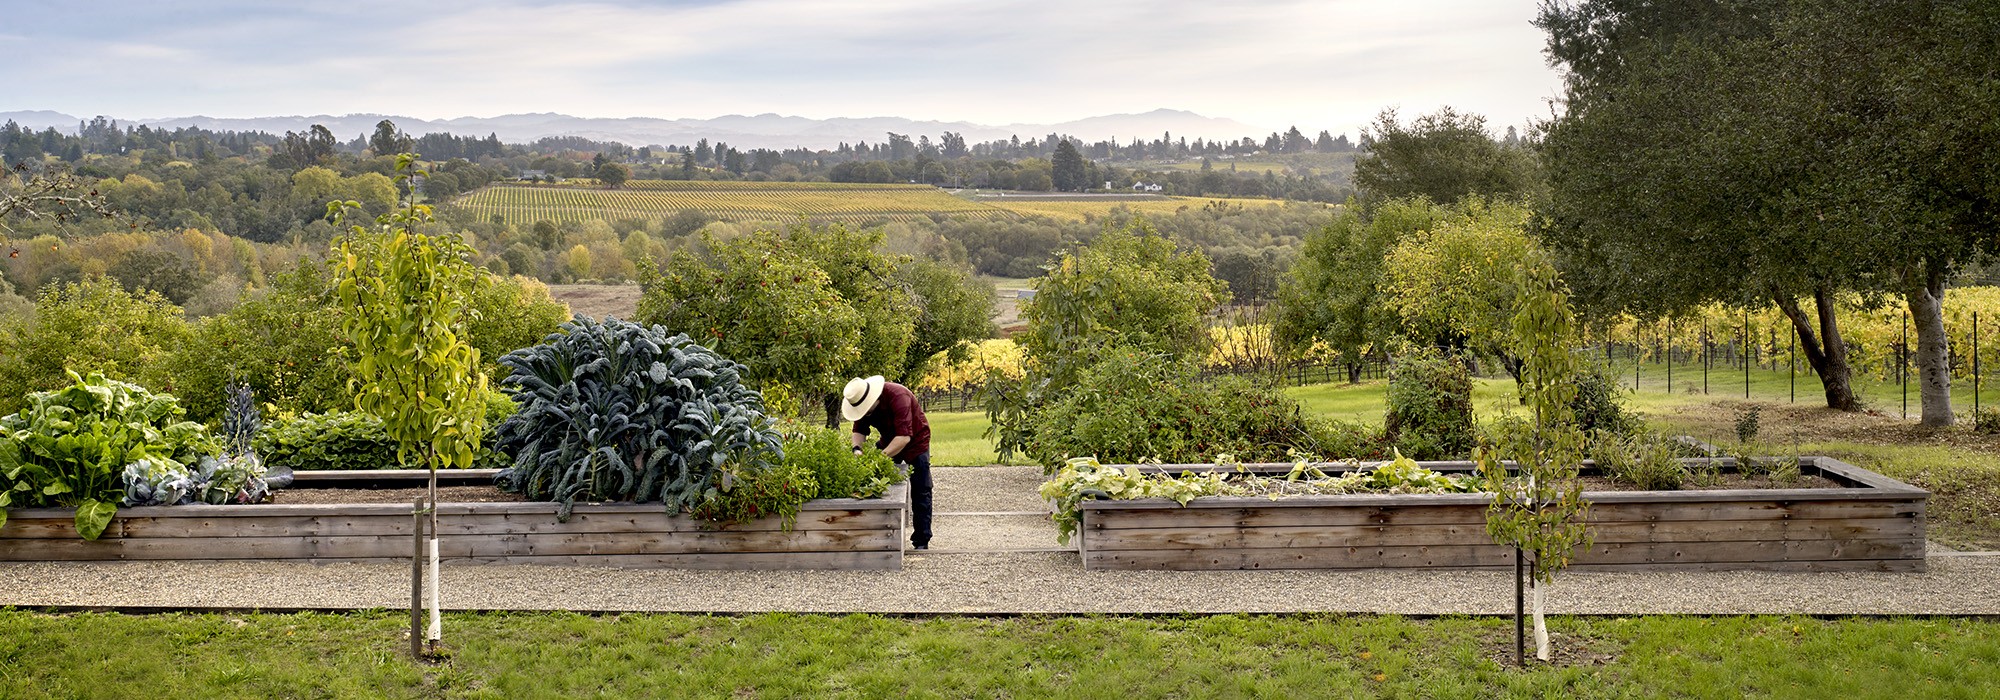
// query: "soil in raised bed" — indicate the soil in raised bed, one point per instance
point(446, 494)
point(1720, 482)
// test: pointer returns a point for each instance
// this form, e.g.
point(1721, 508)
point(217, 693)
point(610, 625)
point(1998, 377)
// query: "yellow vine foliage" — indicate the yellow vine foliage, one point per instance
point(1873, 331)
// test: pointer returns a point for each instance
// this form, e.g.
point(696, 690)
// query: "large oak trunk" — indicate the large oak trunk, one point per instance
point(1825, 351)
point(1933, 355)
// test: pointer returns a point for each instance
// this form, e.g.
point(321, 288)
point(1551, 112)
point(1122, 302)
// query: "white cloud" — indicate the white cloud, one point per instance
point(1327, 64)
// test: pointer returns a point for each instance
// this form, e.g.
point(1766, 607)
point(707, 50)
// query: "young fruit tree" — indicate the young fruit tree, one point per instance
point(1539, 509)
point(406, 297)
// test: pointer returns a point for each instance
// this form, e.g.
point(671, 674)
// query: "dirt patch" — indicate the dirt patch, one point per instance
point(1794, 423)
point(598, 300)
point(1720, 482)
point(1565, 650)
point(446, 494)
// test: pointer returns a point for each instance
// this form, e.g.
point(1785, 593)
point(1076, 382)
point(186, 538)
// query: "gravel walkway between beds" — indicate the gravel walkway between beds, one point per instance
point(992, 506)
point(998, 583)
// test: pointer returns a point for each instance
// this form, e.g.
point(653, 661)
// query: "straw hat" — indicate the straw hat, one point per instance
point(860, 396)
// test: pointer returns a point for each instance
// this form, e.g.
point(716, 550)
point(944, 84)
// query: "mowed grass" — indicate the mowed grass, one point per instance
point(523, 205)
point(523, 655)
point(959, 440)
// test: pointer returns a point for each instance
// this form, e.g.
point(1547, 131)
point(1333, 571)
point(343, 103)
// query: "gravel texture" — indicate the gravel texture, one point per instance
point(983, 509)
point(988, 489)
point(999, 583)
point(991, 533)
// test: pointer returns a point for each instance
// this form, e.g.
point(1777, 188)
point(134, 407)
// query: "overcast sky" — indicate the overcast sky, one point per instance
point(1328, 64)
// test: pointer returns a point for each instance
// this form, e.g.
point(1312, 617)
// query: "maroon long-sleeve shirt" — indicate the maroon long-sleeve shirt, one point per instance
point(897, 413)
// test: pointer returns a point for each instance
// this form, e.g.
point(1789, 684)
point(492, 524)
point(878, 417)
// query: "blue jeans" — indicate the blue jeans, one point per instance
point(920, 498)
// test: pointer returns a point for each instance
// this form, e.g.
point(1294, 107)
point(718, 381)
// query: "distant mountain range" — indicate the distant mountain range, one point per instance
point(760, 131)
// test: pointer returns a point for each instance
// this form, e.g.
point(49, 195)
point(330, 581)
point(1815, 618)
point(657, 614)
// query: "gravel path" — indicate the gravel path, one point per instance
point(999, 583)
point(994, 508)
point(988, 489)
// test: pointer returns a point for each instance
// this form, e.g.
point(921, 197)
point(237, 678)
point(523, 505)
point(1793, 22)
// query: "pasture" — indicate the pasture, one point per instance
point(523, 205)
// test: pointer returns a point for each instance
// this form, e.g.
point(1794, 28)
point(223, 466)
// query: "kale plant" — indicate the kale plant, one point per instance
point(617, 411)
point(240, 419)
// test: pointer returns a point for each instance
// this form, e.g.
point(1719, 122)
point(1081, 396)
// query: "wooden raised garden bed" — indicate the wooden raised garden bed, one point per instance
point(840, 533)
point(1869, 523)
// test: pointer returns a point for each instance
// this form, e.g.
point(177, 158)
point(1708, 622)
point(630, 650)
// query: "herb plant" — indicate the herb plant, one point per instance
point(839, 473)
point(69, 448)
point(616, 411)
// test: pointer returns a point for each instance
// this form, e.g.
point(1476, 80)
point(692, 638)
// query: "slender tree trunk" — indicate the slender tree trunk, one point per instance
point(1541, 623)
point(832, 403)
point(1926, 299)
point(1824, 349)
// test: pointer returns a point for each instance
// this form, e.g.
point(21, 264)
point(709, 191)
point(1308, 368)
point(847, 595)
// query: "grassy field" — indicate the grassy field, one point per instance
point(787, 656)
point(1079, 209)
point(1281, 164)
point(726, 201)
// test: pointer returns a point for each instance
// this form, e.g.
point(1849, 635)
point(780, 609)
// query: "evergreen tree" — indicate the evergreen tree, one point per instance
point(1067, 168)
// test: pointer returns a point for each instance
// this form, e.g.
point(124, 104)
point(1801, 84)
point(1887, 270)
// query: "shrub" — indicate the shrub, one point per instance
point(1134, 405)
point(355, 440)
point(92, 326)
point(1599, 406)
point(325, 441)
point(69, 447)
point(284, 342)
point(1430, 406)
point(511, 313)
point(621, 412)
point(1986, 421)
point(1748, 424)
point(1347, 440)
point(828, 456)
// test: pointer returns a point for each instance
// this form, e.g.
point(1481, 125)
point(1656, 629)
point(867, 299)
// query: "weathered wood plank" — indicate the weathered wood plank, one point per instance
point(1434, 557)
point(1840, 470)
point(564, 544)
point(1471, 533)
point(1293, 512)
point(1916, 564)
point(1473, 556)
point(853, 561)
point(449, 525)
point(896, 498)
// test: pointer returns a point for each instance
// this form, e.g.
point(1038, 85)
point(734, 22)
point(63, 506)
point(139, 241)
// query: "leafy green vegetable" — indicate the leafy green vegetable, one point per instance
point(92, 516)
point(828, 456)
point(616, 411)
point(338, 440)
point(70, 447)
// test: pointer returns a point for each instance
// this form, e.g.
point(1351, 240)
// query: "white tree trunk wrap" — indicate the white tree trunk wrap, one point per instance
point(433, 583)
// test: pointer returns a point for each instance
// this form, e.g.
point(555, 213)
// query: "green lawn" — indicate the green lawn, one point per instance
point(782, 656)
